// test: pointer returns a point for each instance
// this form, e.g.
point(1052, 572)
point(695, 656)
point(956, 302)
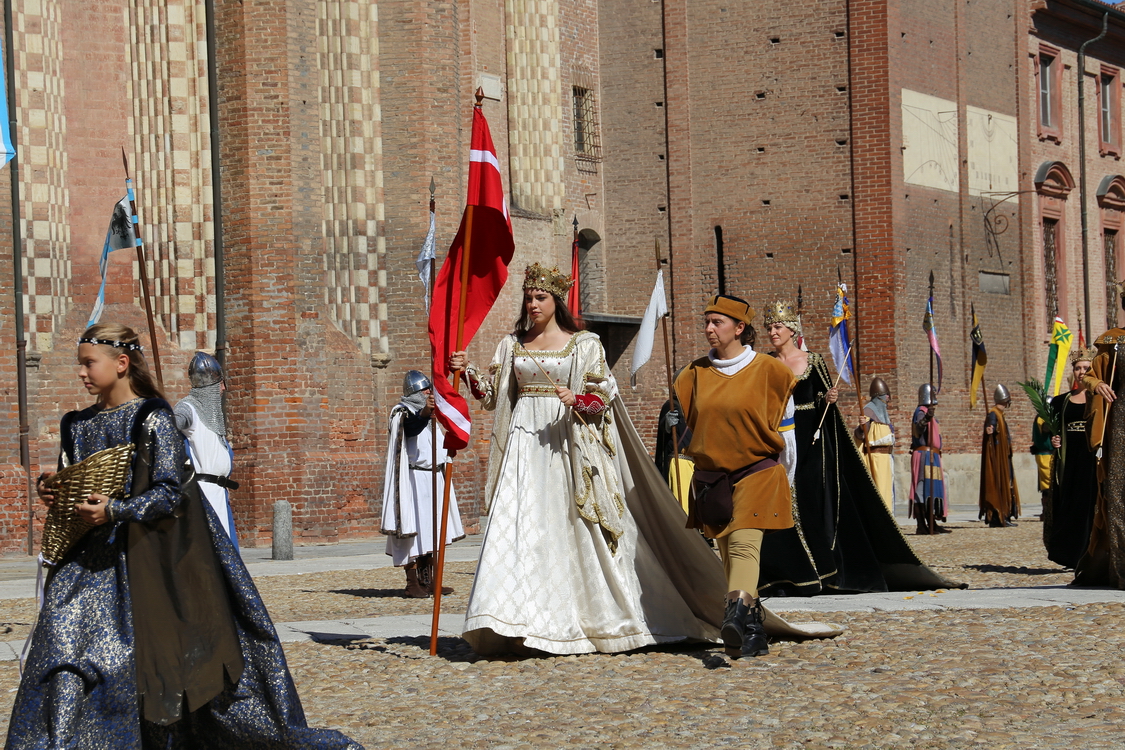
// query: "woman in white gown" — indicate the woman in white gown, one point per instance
point(585, 548)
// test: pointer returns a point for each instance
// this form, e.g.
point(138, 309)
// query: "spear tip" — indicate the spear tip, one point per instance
point(433, 187)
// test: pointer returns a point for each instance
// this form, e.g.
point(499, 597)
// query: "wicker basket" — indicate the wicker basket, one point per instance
point(105, 473)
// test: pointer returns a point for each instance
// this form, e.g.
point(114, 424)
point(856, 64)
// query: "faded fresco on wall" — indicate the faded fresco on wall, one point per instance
point(993, 153)
point(929, 140)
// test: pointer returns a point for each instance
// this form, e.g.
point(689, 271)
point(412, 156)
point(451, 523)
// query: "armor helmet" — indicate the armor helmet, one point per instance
point(878, 388)
point(1001, 395)
point(204, 370)
point(415, 381)
point(926, 395)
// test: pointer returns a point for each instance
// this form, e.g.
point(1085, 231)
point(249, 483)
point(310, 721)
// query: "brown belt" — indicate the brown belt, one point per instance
point(880, 449)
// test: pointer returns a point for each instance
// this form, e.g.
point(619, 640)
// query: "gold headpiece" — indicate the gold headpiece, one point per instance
point(1083, 355)
point(548, 279)
point(782, 312)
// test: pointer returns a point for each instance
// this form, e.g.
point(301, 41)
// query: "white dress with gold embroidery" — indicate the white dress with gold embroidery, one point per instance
point(562, 565)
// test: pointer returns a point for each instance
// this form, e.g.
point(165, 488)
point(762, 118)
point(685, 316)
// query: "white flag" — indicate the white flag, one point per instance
point(657, 309)
point(425, 257)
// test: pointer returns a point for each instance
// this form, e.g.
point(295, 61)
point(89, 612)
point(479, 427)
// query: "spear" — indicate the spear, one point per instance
point(144, 271)
point(433, 377)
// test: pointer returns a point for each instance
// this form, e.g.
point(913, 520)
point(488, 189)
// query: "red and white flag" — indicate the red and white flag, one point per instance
point(485, 241)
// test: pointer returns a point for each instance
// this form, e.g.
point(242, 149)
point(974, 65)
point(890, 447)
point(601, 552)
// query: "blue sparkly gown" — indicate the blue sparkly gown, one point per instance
point(79, 687)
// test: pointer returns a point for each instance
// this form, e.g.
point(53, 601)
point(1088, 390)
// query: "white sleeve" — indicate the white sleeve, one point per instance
point(788, 457)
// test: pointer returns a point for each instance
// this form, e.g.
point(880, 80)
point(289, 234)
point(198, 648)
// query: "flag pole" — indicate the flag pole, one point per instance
point(928, 302)
point(466, 249)
point(433, 378)
point(850, 356)
point(17, 274)
point(144, 272)
point(668, 366)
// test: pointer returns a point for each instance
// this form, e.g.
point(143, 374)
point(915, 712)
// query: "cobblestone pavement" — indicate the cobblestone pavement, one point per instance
point(992, 678)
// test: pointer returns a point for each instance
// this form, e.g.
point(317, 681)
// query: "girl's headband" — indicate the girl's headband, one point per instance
point(127, 346)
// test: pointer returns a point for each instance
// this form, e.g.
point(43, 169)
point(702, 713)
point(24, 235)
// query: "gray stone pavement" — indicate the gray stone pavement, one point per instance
point(17, 580)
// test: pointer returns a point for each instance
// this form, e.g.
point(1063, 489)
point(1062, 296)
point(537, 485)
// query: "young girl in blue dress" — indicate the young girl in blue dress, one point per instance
point(151, 633)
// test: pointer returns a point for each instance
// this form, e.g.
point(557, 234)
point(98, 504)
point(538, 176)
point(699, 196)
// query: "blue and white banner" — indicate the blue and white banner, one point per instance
point(7, 150)
point(120, 235)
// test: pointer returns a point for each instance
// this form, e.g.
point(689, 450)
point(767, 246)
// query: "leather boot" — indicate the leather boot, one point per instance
point(426, 575)
point(414, 589)
point(755, 642)
point(734, 623)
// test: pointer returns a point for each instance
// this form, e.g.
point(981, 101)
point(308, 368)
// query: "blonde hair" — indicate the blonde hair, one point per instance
point(140, 377)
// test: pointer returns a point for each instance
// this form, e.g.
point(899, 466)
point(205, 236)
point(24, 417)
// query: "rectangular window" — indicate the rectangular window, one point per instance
point(1050, 268)
point(1111, 303)
point(1049, 75)
point(587, 139)
point(1109, 111)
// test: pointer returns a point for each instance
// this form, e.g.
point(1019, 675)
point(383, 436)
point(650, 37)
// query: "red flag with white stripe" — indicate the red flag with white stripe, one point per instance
point(485, 241)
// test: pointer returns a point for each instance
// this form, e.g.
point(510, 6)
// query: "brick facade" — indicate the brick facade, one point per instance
point(880, 141)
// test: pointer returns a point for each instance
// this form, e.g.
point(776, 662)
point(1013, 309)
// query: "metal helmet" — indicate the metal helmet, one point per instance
point(927, 396)
point(415, 381)
point(878, 388)
point(204, 370)
point(1001, 395)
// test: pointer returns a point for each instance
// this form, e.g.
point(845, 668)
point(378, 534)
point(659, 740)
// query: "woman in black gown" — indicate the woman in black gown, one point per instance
point(844, 539)
point(1074, 482)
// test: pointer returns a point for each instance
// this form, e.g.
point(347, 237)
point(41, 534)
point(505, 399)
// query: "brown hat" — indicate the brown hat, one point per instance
point(732, 307)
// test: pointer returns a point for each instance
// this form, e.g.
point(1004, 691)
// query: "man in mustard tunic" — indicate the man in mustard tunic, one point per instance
point(734, 403)
point(999, 496)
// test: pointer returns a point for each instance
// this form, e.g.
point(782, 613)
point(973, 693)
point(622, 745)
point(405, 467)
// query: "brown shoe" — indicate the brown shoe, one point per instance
point(414, 589)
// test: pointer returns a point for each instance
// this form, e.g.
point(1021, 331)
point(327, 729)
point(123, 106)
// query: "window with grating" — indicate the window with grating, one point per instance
point(1110, 240)
point(587, 139)
point(1050, 269)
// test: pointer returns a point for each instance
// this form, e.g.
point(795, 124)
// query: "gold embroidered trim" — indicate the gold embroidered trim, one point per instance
point(537, 390)
point(805, 407)
point(565, 351)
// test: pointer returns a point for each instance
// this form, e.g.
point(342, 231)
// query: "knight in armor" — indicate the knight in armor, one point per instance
point(876, 438)
point(927, 479)
point(408, 498)
point(999, 495)
point(200, 417)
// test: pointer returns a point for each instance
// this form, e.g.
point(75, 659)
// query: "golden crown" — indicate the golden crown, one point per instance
point(781, 312)
point(1083, 355)
point(548, 279)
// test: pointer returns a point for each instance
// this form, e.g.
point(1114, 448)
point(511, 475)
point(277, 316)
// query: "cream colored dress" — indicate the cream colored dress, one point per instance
point(563, 565)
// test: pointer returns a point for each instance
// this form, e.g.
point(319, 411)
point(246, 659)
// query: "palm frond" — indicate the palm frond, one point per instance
point(1037, 394)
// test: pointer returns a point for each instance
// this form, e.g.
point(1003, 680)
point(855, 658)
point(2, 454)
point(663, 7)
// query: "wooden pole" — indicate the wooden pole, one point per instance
point(145, 294)
point(668, 367)
point(439, 568)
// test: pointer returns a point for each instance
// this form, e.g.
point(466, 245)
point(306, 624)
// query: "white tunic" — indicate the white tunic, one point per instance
point(210, 455)
point(408, 510)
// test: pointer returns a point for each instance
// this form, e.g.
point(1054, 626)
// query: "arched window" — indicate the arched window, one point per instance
point(1111, 200)
point(1053, 182)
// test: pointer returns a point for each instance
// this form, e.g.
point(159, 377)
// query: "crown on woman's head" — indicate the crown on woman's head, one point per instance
point(1083, 355)
point(548, 279)
point(781, 312)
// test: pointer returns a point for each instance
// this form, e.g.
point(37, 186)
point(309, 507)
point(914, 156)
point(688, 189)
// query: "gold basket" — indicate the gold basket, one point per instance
point(105, 473)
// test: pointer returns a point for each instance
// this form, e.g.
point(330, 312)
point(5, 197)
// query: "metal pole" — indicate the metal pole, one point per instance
point(17, 275)
point(216, 188)
point(668, 367)
point(1082, 161)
